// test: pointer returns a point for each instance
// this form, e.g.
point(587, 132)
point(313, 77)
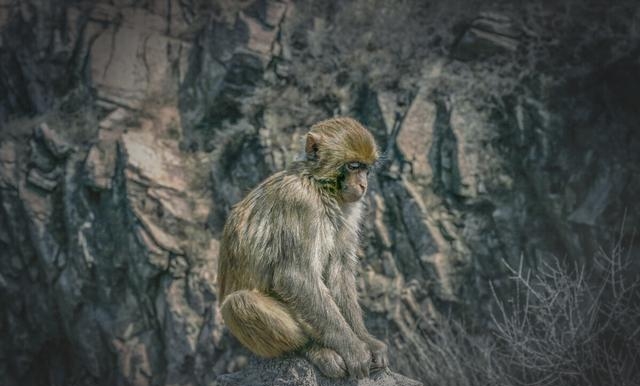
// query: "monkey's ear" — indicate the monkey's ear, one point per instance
point(312, 146)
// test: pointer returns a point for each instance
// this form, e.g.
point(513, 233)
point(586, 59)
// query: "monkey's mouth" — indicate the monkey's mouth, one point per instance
point(353, 194)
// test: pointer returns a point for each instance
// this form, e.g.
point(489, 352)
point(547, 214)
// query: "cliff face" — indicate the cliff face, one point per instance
point(129, 128)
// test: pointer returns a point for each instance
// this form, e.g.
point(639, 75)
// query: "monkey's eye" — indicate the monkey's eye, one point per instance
point(356, 166)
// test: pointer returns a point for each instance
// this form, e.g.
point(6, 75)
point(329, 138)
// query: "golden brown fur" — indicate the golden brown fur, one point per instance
point(288, 256)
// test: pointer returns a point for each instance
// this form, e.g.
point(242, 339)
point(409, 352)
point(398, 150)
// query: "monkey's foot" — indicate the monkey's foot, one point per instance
point(375, 367)
point(328, 361)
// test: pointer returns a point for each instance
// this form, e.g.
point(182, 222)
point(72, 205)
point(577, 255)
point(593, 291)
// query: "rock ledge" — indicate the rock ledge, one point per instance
point(297, 371)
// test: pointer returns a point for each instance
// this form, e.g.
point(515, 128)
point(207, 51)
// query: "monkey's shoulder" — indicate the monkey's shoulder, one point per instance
point(283, 193)
point(281, 216)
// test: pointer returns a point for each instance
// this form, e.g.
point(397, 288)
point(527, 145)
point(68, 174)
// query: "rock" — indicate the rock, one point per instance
point(113, 121)
point(300, 372)
point(8, 160)
point(54, 143)
point(415, 137)
point(4, 14)
point(100, 165)
point(148, 61)
point(597, 198)
point(42, 180)
point(261, 38)
point(498, 24)
point(489, 34)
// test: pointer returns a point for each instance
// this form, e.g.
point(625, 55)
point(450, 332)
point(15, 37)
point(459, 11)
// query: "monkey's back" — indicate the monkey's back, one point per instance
point(276, 222)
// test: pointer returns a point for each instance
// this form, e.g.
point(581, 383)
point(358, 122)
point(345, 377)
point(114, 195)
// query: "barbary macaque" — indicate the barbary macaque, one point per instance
point(288, 257)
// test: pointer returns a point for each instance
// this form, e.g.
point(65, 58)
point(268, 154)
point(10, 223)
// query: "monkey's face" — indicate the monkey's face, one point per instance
point(353, 181)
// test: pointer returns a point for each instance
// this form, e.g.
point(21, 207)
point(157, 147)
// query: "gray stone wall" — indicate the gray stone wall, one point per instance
point(129, 128)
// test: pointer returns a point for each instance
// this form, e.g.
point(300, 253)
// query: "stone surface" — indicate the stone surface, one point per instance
point(137, 55)
point(300, 372)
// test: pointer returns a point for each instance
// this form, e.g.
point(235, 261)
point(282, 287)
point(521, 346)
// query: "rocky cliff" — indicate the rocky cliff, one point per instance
point(130, 127)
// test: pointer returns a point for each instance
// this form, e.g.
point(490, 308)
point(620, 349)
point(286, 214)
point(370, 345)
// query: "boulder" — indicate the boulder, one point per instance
point(296, 371)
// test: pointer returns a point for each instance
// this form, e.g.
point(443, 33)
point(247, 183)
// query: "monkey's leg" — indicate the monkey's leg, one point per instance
point(327, 360)
point(262, 323)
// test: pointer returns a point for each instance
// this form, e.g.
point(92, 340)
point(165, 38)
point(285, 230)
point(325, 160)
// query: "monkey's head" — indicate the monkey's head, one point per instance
point(340, 152)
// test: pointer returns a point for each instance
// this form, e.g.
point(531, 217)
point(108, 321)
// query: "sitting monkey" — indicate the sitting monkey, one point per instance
point(288, 257)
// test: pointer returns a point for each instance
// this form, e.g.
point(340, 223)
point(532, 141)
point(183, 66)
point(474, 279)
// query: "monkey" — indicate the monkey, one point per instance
point(286, 270)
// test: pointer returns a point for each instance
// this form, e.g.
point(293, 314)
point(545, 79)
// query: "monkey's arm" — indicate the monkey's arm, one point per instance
point(303, 290)
point(345, 294)
point(305, 293)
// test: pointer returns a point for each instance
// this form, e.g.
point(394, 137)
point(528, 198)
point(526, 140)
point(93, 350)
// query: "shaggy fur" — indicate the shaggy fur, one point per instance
point(288, 257)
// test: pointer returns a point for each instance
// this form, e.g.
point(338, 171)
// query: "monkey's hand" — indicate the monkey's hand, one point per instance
point(357, 358)
point(378, 349)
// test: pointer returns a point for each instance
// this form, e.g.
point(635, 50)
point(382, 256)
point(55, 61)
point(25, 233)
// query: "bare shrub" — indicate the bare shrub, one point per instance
point(559, 326)
point(448, 355)
point(572, 327)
